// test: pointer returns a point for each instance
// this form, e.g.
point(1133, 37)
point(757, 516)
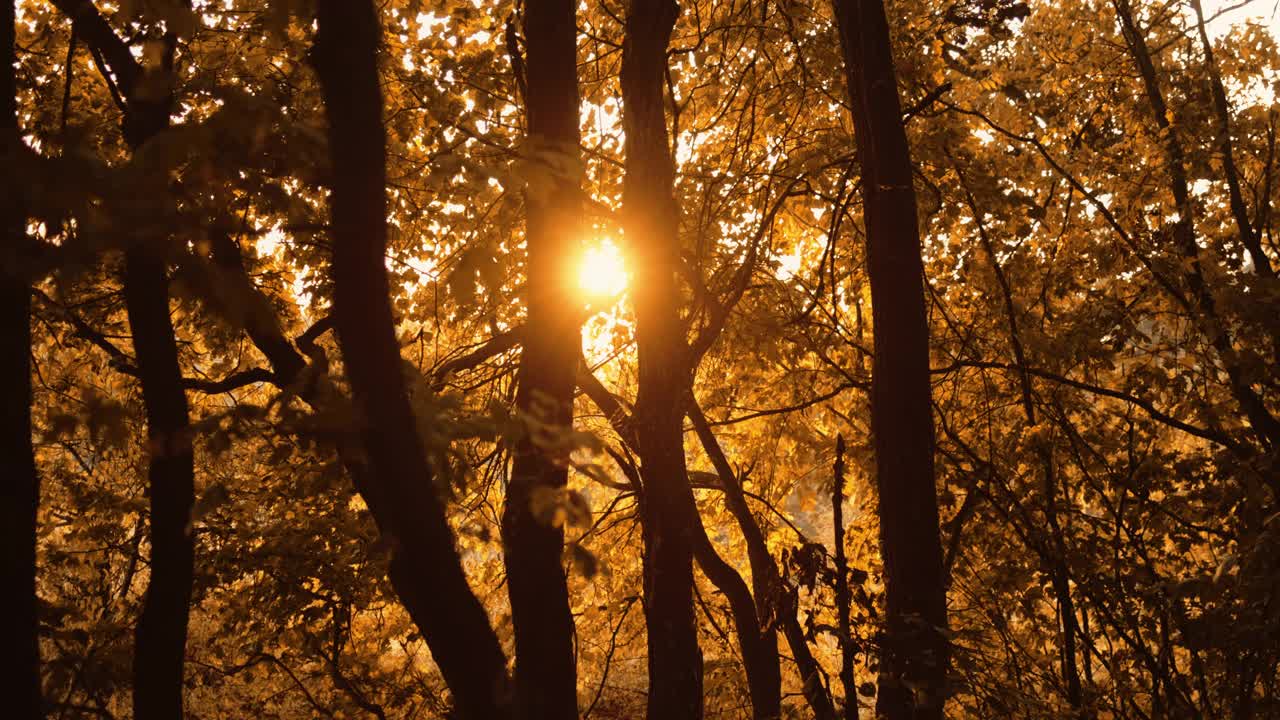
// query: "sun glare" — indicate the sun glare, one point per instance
point(602, 273)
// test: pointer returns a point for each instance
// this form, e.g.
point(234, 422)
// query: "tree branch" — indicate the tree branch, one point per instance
point(1144, 405)
point(494, 346)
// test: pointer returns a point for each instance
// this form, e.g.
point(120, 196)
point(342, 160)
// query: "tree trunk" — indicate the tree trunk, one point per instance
point(757, 639)
point(758, 644)
point(842, 587)
point(161, 635)
point(811, 674)
point(546, 684)
point(914, 650)
point(650, 220)
point(160, 639)
point(20, 489)
point(425, 568)
point(766, 581)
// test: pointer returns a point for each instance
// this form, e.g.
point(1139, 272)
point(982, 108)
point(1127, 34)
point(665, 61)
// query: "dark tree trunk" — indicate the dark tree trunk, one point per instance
point(161, 635)
point(842, 587)
point(773, 603)
point(758, 645)
point(546, 674)
point(757, 640)
point(650, 220)
point(811, 675)
point(425, 568)
point(287, 365)
point(20, 488)
point(255, 313)
point(914, 649)
point(160, 639)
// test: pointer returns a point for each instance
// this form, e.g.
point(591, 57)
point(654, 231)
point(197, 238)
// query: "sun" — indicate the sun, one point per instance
point(602, 272)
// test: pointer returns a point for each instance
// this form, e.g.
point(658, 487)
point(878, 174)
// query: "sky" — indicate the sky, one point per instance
point(1268, 11)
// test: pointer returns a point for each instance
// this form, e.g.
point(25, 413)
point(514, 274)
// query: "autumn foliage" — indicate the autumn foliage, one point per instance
point(700, 359)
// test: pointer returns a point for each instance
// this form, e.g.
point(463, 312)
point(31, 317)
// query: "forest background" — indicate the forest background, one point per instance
point(734, 358)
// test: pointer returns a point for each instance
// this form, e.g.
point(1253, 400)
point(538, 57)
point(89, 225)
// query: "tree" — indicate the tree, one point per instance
point(1101, 331)
point(20, 497)
point(161, 632)
point(913, 663)
point(546, 678)
point(425, 567)
point(651, 221)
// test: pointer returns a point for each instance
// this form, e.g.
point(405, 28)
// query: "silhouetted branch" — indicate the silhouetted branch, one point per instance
point(307, 340)
point(608, 403)
point(1144, 405)
point(864, 386)
point(494, 346)
point(926, 101)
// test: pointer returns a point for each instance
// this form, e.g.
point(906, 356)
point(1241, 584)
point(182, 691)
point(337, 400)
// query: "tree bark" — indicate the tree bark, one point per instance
point(757, 643)
point(914, 648)
point(650, 221)
point(812, 686)
point(20, 489)
point(772, 607)
point(425, 567)
point(161, 635)
point(255, 312)
point(546, 683)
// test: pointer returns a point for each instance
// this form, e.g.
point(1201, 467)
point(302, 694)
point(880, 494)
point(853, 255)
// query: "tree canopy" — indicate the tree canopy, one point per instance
point(671, 359)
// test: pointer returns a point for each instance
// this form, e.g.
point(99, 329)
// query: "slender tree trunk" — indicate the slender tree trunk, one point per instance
point(757, 640)
point(1265, 425)
point(774, 607)
point(842, 587)
point(1249, 238)
point(253, 310)
point(161, 635)
point(914, 649)
point(160, 639)
point(546, 674)
point(287, 365)
point(757, 633)
point(812, 686)
point(20, 488)
point(759, 658)
point(650, 220)
point(425, 568)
